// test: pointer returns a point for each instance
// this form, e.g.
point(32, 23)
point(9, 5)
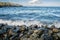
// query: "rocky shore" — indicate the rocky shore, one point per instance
point(32, 32)
point(9, 4)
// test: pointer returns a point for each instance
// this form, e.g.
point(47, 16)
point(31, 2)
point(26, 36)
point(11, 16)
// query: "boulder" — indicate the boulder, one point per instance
point(55, 36)
point(55, 30)
point(58, 34)
point(22, 27)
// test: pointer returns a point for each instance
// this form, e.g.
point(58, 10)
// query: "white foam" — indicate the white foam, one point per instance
point(19, 22)
point(57, 24)
point(28, 23)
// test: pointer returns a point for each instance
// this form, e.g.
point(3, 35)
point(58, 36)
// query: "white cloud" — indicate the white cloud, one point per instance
point(41, 3)
point(33, 1)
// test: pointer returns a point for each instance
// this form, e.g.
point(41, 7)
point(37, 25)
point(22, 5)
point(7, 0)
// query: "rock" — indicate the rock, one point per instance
point(22, 28)
point(2, 31)
point(30, 32)
point(50, 32)
point(24, 39)
point(34, 36)
point(53, 26)
point(26, 36)
point(55, 36)
point(46, 26)
point(46, 37)
point(2, 25)
point(38, 31)
point(58, 34)
point(34, 26)
point(55, 30)
point(9, 32)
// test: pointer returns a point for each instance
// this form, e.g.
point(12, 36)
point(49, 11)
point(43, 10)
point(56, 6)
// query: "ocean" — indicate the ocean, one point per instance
point(26, 13)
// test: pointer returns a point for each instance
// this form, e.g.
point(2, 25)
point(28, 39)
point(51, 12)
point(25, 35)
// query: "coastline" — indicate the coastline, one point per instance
point(24, 32)
point(9, 4)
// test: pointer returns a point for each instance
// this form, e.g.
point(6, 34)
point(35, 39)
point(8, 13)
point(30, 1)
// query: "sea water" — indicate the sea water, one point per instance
point(32, 14)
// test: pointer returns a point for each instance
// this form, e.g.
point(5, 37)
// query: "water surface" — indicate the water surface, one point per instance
point(43, 14)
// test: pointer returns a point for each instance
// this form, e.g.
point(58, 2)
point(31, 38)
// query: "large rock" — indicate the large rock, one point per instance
point(55, 36)
point(22, 27)
point(58, 35)
point(55, 30)
point(38, 31)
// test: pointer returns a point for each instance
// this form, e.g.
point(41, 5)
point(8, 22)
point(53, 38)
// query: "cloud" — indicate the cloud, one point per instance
point(42, 3)
point(33, 1)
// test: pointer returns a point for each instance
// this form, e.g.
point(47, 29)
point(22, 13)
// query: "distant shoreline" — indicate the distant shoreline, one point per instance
point(9, 4)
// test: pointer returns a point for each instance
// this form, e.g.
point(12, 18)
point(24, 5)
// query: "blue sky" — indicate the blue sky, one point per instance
point(36, 2)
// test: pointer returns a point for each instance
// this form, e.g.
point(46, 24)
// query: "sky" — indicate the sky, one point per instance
point(35, 2)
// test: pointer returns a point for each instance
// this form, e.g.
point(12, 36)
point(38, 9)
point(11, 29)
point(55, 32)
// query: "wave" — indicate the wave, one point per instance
point(20, 22)
point(28, 23)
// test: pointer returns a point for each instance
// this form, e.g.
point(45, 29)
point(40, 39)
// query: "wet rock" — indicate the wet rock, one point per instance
point(55, 36)
point(34, 36)
point(2, 31)
point(46, 26)
point(46, 37)
point(22, 28)
point(53, 26)
point(2, 25)
point(55, 30)
point(24, 39)
point(34, 26)
point(32, 32)
point(9, 27)
point(50, 32)
point(1, 37)
point(38, 31)
point(26, 36)
point(9, 34)
point(15, 29)
point(58, 34)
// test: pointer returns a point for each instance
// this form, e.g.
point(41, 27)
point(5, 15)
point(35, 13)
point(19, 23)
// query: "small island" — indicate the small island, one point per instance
point(9, 4)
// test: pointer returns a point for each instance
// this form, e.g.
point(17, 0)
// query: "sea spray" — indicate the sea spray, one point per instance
point(28, 23)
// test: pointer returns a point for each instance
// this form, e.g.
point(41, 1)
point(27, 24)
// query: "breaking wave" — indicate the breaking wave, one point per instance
point(28, 23)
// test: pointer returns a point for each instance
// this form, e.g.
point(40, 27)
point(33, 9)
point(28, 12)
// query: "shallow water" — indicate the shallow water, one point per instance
point(43, 14)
